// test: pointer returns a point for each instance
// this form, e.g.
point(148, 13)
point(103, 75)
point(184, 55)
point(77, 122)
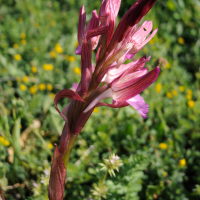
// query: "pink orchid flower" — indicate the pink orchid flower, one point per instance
point(122, 82)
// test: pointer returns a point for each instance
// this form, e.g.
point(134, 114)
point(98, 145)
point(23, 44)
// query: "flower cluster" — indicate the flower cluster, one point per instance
point(109, 77)
point(111, 164)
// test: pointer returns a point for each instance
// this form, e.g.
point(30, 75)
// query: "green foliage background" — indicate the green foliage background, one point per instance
point(149, 171)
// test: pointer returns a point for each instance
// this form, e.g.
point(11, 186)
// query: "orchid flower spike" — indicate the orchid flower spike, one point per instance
point(108, 77)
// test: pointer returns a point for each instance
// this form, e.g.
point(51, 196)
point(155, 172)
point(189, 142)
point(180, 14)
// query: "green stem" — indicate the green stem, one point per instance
point(69, 149)
point(104, 178)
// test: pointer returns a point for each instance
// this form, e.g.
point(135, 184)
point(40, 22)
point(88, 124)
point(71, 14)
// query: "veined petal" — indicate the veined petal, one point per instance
point(137, 66)
point(108, 6)
point(128, 55)
point(114, 72)
point(107, 14)
point(139, 104)
point(138, 44)
point(132, 17)
point(115, 104)
point(106, 94)
point(86, 66)
point(97, 31)
point(142, 32)
point(136, 88)
point(148, 39)
point(81, 25)
point(94, 21)
point(128, 80)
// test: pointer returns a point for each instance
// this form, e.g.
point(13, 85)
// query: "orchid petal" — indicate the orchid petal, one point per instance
point(107, 93)
point(66, 93)
point(74, 86)
point(86, 66)
point(78, 50)
point(132, 17)
point(81, 25)
point(94, 21)
point(137, 87)
point(139, 104)
point(115, 104)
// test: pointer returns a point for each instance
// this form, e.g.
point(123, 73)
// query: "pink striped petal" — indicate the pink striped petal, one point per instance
point(94, 21)
point(132, 17)
point(128, 80)
point(137, 87)
point(86, 66)
point(81, 25)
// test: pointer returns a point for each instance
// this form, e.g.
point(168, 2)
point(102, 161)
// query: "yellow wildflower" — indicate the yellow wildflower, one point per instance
point(52, 54)
point(71, 59)
point(53, 23)
point(25, 79)
point(191, 103)
point(76, 44)
point(169, 95)
point(163, 145)
point(158, 87)
point(42, 86)
point(48, 67)
point(22, 35)
point(22, 87)
point(189, 97)
point(3, 70)
point(190, 92)
point(36, 25)
point(33, 89)
point(20, 20)
point(164, 174)
point(17, 57)
point(181, 88)
point(181, 40)
point(168, 65)
point(15, 46)
point(49, 87)
point(52, 95)
point(35, 49)
point(24, 42)
point(174, 92)
point(4, 141)
point(34, 69)
point(182, 162)
point(58, 48)
point(77, 70)
point(50, 145)
point(20, 126)
point(96, 110)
